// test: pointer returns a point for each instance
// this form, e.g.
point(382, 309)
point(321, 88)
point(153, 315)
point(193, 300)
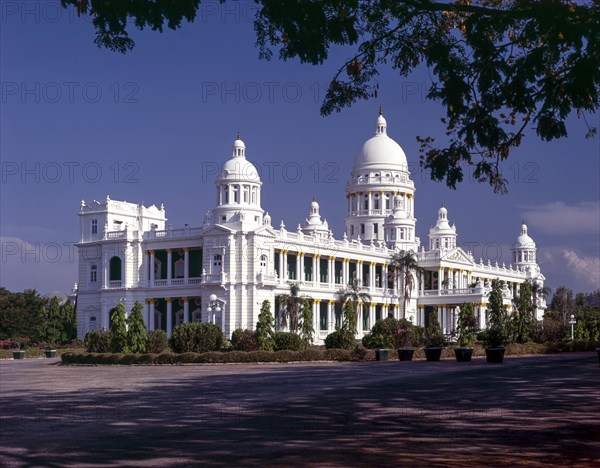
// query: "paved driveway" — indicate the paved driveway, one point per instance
point(534, 411)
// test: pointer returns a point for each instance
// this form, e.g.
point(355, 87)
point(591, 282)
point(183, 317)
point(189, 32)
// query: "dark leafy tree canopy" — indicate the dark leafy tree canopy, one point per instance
point(498, 67)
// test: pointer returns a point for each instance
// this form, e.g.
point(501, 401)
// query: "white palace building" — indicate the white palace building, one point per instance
point(223, 270)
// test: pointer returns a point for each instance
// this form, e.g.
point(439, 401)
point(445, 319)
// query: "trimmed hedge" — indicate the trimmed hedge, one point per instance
point(213, 357)
point(307, 355)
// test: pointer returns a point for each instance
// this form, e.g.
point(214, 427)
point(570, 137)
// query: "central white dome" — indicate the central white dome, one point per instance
point(380, 152)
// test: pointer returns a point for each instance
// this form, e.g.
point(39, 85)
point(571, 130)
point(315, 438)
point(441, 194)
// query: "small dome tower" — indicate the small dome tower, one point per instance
point(442, 235)
point(238, 190)
point(524, 249)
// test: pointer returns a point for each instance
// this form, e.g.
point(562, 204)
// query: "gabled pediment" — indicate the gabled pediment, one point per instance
point(457, 255)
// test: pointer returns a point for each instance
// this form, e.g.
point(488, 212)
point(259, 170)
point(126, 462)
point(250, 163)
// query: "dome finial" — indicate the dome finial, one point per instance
point(238, 136)
point(380, 109)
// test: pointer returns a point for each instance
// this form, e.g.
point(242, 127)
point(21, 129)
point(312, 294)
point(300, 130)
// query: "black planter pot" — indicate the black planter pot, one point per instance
point(463, 354)
point(19, 354)
point(406, 354)
point(382, 354)
point(50, 353)
point(433, 354)
point(494, 355)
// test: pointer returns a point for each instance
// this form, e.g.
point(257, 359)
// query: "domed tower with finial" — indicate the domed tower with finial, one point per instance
point(399, 228)
point(524, 251)
point(442, 236)
point(379, 175)
point(238, 190)
point(313, 224)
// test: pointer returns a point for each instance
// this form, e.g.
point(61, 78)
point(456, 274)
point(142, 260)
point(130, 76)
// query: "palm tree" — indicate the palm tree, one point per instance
point(403, 265)
point(538, 290)
point(290, 304)
point(352, 295)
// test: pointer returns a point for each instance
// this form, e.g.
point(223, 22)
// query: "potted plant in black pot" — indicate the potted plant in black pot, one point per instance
point(404, 340)
point(434, 338)
point(17, 351)
point(50, 350)
point(496, 335)
point(466, 326)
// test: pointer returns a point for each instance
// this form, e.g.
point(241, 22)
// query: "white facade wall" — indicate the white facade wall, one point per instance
point(242, 279)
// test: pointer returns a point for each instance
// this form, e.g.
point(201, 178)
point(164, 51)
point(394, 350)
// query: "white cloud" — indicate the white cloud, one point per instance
point(559, 218)
point(585, 268)
point(45, 266)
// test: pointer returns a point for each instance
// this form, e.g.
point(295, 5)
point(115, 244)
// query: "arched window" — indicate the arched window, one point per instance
point(226, 194)
point(366, 202)
point(114, 269)
point(263, 262)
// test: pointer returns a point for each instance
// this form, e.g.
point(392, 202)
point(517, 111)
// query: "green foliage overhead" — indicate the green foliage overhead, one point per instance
point(498, 67)
point(137, 335)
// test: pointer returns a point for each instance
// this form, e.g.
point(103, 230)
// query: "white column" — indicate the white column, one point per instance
point(186, 266)
point(300, 266)
point(284, 270)
point(152, 268)
point(105, 319)
point(345, 271)
point(104, 271)
point(316, 317)
point(169, 315)
point(359, 266)
point(316, 269)
point(372, 269)
point(281, 272)
point(186, 309)
point(440, 279)
point(151, 314)
point(331, 272)
point(331, 316)
point(169, 266)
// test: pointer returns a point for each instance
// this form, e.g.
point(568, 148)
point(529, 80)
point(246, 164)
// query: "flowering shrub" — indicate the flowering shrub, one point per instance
point(404, 337)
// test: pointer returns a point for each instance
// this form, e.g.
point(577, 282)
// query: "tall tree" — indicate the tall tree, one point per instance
point(522, 319)
point(118, 328)
point(404, 267)
point(307, 329)
point(563, 303)
point(137, 335)
point(351, 297)
point(53, 322)
point(497, 66)
point(264, 327)
point(289, 306)
point(497, 317)
point(23, 314)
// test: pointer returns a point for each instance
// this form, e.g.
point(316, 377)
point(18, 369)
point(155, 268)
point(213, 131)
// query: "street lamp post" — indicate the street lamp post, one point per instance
point(572, 322)
point(214, 305)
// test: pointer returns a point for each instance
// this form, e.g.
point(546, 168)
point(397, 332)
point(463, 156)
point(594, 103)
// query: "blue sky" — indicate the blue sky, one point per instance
point(151, 126)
